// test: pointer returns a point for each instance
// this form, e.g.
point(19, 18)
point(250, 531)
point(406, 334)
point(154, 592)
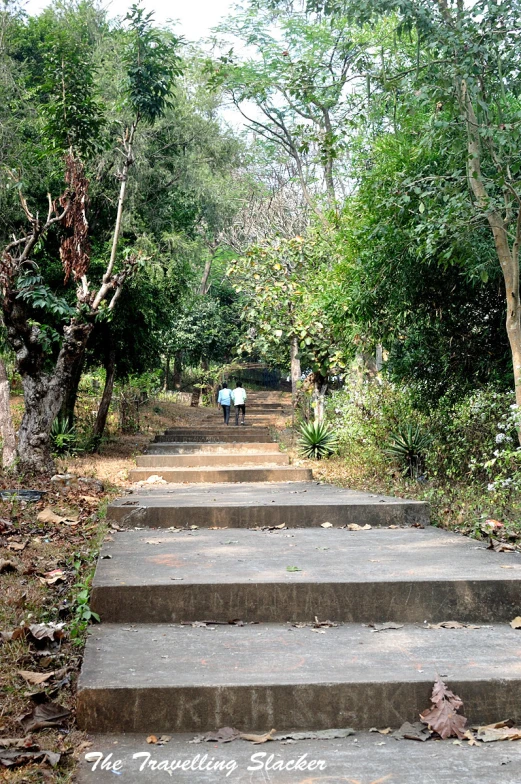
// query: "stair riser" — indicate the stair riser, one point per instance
point(249, 517)
point(320, 706)
point(404, 602)
point(198, 476)
point(216, 448)
point(177, 461)
point(235, 435)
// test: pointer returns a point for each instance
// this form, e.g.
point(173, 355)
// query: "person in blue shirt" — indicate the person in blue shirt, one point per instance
point(224, 401)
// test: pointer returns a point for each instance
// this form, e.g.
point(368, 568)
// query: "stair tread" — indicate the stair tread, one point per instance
point(365, 758)
point(239, 556)
point(161, 656)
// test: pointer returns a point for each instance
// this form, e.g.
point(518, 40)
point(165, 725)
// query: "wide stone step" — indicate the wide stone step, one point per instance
point(242, 506)
point(209, 459)
point(218, 429)
point(235, 436)
point(217, 448)
point(208, 475)
point(403, 575)
point(366, 758)
point(178, 678)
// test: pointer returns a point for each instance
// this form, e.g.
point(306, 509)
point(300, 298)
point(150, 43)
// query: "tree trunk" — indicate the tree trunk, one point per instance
point(167, 373)
point(203, 288)
point(295, 368)
point(508, 257)
point(44, 393)
point(178, 366)
point(71, 394)
point(106, 398)
point(6, 421)
point(319, 394)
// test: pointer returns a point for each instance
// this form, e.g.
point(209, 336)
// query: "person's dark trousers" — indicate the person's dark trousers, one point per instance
point(226, 414)
point(238, 409)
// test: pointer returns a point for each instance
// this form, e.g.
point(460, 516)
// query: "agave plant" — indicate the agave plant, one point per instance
point(407, 446)
point(63, 436)
point(317, 440)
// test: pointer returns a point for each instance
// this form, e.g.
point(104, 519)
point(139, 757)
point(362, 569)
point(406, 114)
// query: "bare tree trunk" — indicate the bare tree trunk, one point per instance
point(6, 421)
point(167, 373)
point(106, 398)
point(177, 369)
point(44, 393)
point(203, 288)
point(296, 371)
point(508, 257)
point(71, 394)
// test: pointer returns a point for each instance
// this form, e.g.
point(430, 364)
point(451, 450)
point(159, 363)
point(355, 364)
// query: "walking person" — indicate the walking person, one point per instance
point(239, 401)
point(224, 401)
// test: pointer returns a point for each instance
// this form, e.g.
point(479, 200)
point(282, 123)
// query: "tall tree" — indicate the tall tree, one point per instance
point(73, 122)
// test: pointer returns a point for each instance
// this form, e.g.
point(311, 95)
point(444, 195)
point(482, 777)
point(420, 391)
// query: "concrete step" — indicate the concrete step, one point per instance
point(233, 436)
point(403, 575)
point(232, 448)
point(208, 459)
point(207, 475)
point(217, 428)
point(366, 758)
point(241, 506)
point(186, 679)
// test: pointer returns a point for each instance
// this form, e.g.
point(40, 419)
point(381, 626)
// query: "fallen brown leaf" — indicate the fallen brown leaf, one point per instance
point(516, 623)
point(326, 525)
point(35, 678)
point(17, 546)
point(45, 714)
point(152, 739)
point(356, 527)
point(442, 716)
point(451, 625)
point(384, 627)
point(257, 739)
point(416, 731)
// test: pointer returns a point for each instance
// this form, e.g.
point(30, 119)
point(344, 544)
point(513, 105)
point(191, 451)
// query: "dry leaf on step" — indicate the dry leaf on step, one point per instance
point(442, 716)
point(501, 730)
point(451, 625)
point(258, 738)
point(384, 627)
point(516, 623)
point(326, 525)
point(356, 527)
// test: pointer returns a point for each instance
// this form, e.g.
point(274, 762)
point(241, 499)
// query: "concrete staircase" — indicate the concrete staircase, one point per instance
point(210, 593)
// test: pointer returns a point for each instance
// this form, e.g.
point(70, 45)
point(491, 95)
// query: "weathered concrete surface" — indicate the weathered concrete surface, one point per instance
point(242, 506)
point(265, 473)
point(209, 459)
point(231, 429)
point(216, 448)
point(366, 758)
point(231, 435)
point(404, 575)
point(178, 678)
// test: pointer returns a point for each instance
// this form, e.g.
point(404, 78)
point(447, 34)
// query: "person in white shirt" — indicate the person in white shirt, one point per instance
point(239, 401)
point(224, 401)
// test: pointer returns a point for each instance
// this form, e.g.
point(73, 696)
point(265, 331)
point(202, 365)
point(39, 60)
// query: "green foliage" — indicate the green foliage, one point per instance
point(152, 63)
point(64, 438)
point(82, 613)
point(317, 440)
point(407, 447)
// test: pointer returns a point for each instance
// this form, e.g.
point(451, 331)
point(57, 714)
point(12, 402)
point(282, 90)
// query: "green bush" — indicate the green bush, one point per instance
point(317, 440)
point(64, 438)
point(408, 447)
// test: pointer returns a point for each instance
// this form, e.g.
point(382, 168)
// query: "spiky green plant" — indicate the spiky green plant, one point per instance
point(317, 440)
point(407, 447)
point(64, 438)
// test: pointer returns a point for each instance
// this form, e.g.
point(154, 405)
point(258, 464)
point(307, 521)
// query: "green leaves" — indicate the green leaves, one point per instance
point(317, 440)
point(152, 64)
